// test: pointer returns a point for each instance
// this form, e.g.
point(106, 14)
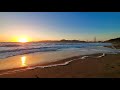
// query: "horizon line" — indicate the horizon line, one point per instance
point(63, 39)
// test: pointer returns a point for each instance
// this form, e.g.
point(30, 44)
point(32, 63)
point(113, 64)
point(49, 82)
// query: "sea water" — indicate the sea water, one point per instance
point(16, 55)
point(13, 49)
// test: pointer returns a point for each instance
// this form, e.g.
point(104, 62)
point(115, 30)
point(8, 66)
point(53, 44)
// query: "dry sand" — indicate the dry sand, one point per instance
point(91, 67)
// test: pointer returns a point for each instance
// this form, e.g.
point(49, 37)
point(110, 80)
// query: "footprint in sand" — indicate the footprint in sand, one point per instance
point(109, 67)
point(118, 64)
point(112, 67)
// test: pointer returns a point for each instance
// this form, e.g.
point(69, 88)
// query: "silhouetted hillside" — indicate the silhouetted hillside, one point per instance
point(116, 40)
point(63, 40)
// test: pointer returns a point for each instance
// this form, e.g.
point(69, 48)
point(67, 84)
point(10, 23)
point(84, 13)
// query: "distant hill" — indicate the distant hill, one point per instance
point(63, 40)
point(115, 40)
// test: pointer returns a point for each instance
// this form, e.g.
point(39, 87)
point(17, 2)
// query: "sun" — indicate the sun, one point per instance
point(23, 40)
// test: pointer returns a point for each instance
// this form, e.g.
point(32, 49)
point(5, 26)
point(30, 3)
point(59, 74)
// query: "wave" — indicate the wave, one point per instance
point(9, 53)
point(10, 45)
point(65, 63)
point(13, 49)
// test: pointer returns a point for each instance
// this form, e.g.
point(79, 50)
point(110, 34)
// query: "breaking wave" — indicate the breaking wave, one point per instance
point(13, 49)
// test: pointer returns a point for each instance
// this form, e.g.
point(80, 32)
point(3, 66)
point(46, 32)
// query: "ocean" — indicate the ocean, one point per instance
point(13, 49)
point(16, 55)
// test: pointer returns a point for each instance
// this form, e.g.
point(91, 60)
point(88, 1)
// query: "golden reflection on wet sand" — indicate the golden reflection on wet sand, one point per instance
point(33, 59)
point(23, 61)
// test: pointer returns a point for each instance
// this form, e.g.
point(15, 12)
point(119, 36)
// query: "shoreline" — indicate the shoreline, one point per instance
point(78, 68)
point(93, 59)
point(51, 64)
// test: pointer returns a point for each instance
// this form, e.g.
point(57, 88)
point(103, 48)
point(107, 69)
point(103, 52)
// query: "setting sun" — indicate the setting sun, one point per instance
point(23, 40)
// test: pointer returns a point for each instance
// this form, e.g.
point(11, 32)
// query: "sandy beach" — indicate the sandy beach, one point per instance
point(91, 67)
point(59, 45)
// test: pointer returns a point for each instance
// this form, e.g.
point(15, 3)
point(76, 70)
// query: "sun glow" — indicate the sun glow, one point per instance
point(23, 40)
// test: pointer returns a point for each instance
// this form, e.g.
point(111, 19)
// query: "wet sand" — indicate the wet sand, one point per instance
point(91, 67)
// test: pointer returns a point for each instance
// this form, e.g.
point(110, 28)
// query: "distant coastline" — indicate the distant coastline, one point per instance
point(69, 41)
point(115, 41)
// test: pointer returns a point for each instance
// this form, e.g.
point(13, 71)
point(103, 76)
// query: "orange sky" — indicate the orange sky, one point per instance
point(37, 26)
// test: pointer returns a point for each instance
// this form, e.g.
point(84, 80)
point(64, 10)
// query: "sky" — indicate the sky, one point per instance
point(37, 26)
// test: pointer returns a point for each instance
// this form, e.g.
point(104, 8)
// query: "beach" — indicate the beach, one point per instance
point(60, 60)
point(90, 67)
point(59, 45)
